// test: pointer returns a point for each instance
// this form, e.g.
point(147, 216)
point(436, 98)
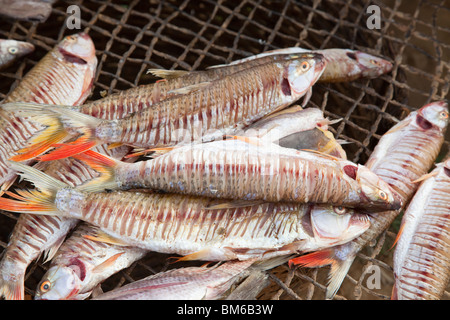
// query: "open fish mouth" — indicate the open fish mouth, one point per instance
point(70, 57)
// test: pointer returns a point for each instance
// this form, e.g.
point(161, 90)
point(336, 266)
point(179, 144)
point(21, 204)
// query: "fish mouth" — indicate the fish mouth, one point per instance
point(70, 57)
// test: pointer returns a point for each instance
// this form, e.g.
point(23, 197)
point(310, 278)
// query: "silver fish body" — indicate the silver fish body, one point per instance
point(422, 254)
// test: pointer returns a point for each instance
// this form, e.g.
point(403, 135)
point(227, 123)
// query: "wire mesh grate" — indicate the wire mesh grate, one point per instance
point(132, 36)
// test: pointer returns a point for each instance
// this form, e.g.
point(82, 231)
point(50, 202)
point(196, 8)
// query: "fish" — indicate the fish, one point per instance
point(34, 235)
point(245, 170)
point(404, 153)
point(197, 228)
point(343, 65)
point(65, 76)
point(11, 50)
point(81, 264)
point(422, 256)
point(125, 102)
point(203, 111)
point(189, 283)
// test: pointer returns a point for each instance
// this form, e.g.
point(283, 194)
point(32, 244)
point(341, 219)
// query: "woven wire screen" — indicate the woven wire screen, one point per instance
point(132, 36)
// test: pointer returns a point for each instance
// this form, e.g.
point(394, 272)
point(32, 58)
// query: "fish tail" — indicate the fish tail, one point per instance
point(35, 201)
point(339, 267)
point(60, 123)
point(12, 289)
point(104, 165)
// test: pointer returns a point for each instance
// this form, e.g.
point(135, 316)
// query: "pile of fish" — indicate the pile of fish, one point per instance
point(219, 165)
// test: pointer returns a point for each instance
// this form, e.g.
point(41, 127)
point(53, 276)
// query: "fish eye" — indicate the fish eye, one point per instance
point(373, 61)
point(305, 65)
point(13, 50)
point(383, 195)
point(443, 115)
point(45, 286)
point(340, 210)
point(71, 38)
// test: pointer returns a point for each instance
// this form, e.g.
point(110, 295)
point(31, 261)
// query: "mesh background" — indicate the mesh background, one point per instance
point(132, 36)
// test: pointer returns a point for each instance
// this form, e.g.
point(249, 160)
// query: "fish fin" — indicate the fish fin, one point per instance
point(104, 165)
point(50, 252)
point(234, 204)
point(249, 140)
point(107, 263)
point(314, 259)
point(339, 268)
point(167, 74)
point(425, 176)
point(307, 96)
point(13, 289)
point(7, 184)
point(189, 89)
point(159, 151)
point(96, 291)
point(321, 154)
point(36, 201)
point(394, 294)
point(69, 149)
point(114, 145)
point(57, 120)
point(399, 233)
point(326, 122)
point(199, 255)
point(293, 109)
point(102, 236)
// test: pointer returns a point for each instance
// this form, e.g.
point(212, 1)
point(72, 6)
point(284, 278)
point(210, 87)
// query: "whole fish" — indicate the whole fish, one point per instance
point(81, 264)
point(34, 235)
point(204, 111)
point(191, 283)
point(64, 76)
point(196, 227)
point(422, 255)
point(118, 105)
point(11, 50)
point(342, 64)
point(404, 154)
point(238, 169)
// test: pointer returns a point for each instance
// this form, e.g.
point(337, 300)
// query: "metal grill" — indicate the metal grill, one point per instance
point(132, 36)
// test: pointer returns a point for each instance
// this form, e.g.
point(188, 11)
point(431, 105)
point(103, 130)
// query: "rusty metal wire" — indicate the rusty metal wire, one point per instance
point(132, 36)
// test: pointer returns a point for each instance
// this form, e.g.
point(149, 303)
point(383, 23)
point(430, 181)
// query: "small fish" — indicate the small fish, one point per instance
point(404, 154)
point(342, 64)
point(81, 264)
point(197, 228)
point(190, 283)
point(203, 111)
point(422, 255)
point(11, 50)
point(64, 76)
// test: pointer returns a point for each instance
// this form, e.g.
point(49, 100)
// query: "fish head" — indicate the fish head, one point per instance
point(78, 48)
point(337, 225)
point(433, 115)
point(370, 66)
point(59, 283)
point(302, 71)
point(376, 194)
point(17, 48)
